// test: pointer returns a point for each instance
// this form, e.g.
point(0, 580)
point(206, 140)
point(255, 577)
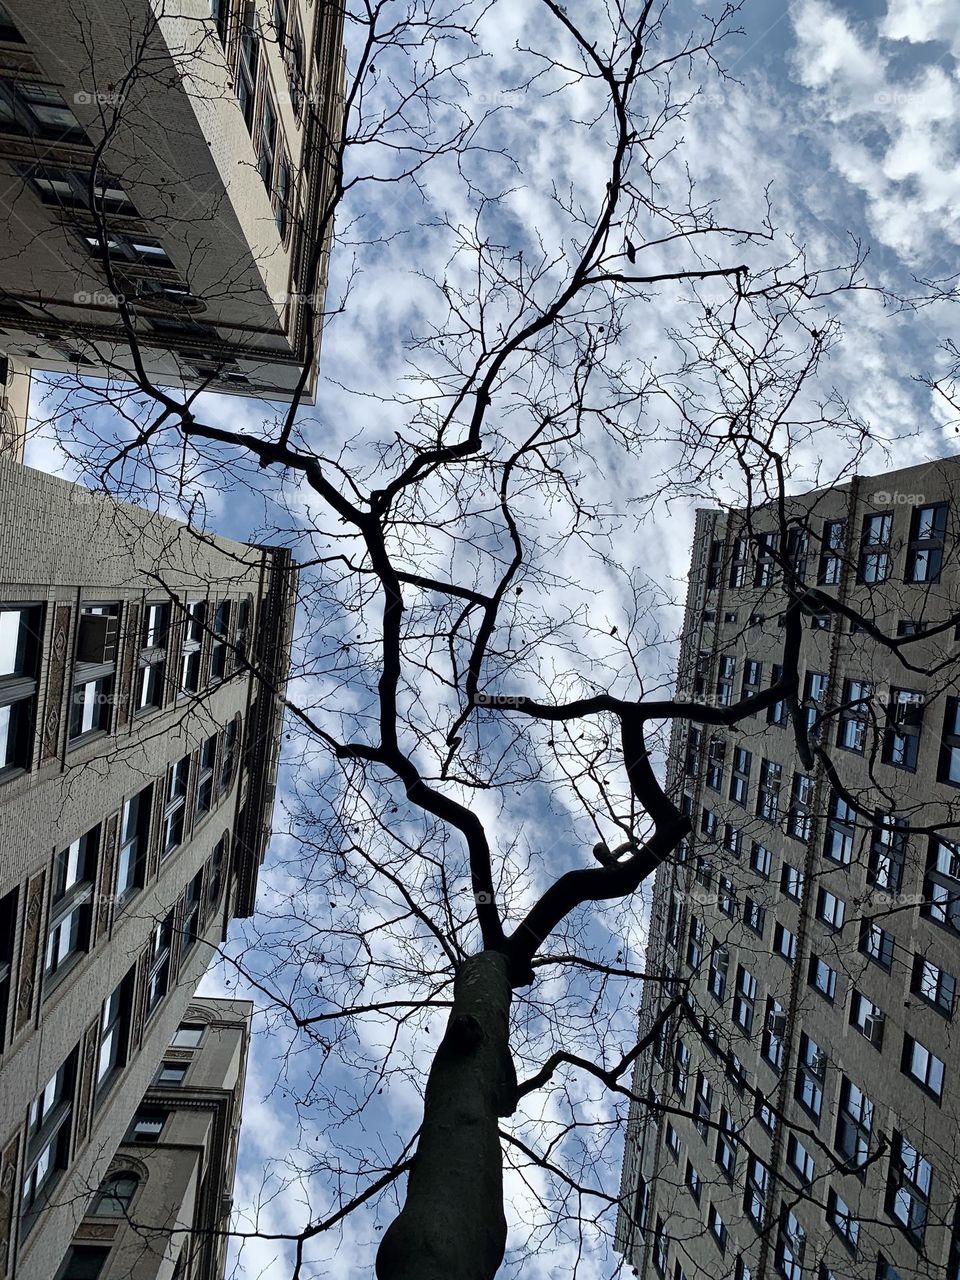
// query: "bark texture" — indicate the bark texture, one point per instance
point(452, 1225)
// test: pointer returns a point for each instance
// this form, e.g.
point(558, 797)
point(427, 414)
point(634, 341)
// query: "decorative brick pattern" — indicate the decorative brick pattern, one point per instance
point(30, 954)
point(59, 653)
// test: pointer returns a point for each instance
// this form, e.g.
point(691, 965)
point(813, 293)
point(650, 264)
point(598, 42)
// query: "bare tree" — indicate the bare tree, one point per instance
point(484, 688)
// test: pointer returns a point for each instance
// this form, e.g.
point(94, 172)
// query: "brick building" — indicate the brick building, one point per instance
point(165, 1199)
point(801, 1105)
point(166, 168)
point(138, 755)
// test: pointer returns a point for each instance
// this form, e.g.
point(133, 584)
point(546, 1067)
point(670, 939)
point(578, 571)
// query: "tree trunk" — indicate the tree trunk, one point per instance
point(452, 1225)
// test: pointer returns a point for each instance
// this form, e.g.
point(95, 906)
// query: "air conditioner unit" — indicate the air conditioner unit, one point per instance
point(873, 1025)
point(909, 711)
point(97, 638)
point(776, 1023)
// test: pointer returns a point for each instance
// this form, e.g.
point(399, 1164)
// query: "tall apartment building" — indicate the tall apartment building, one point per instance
point(801, 1098)
point(166, 165)
point(162, 1206)
point(141, 669)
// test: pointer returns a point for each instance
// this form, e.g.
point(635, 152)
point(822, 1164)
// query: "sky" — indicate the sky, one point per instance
point(848, 116)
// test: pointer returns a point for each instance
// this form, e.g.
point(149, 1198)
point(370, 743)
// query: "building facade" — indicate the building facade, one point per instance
point(141, 674)
point(169, 170)
point(797, 1109)
point(162, 1207)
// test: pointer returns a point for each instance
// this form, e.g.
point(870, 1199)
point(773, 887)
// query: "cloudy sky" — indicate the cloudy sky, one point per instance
point(848, 115)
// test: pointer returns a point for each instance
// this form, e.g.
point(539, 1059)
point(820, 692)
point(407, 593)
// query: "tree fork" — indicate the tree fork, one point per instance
point(452, 1225)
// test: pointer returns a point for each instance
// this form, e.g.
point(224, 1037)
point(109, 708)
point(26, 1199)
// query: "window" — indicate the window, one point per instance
point(702, 1104)
point(777, 713)
point(752, 678)
point(726, 1155)
point(800, 819)
point(755, 1196)
point(765, 568)
point(815, 686)
point(175, 805)
point(868, 1018)
point(114, 1033)
point(188, 1035)
point(267, 141)
point(681, 1069)
point(241, 639)
point(8, 942)
point(842, 1220)
point(717, 978)
point(693, 1182)
point(942, 884)
point(888, 851)
point(886, 1272)
point(874, 564)
point(172, 1073)
point(718, 1228)
point(761, 860)
point(114, 1196)
point(831, 910)
point(800, 1160)
point(231, 741)
point(671, 1140)
point(876, 943)
point(726, 896)
point(38, 110)
point(715, 757)
point(281, 195)
point(739, 562)
point(785, 943)
point(767, 1116)
point(854, 1124)
point(928, 527)
point(797, 545)
point(192, 651)
point(949, 770)
point(20, 637)
point(134, 832)
point(215, 870)
point(158, 963)
point(206, 760)
point(822, 978)
point(774, 1031)
point(740, 779)
point(744, 1000)
point(901, 738)
point(933, 985)
point(831, 552)
point(48, 1139)
point(791, 881)
point(153, 656)
point(922, 1066)
point(661, 1246)
point(709, 825)
point(754, 916)
point(95, 670)
point(246, 81)
point(71, 894)
point(741, 1271)
point(841, 826)
point(725, 676)
point(220, 640)
point(855, 715)
point(908, 1188)
point(147, 1125)
point(143, 251)
point(193, 900)
point(693, 751)
point(83, 1262)
point(791, 1243)
point(768, 792)
point(811, 1068)
point(695, 943)
point(736, 1073)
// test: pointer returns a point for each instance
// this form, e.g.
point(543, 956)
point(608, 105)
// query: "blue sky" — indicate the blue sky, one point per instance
point(850, 112)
